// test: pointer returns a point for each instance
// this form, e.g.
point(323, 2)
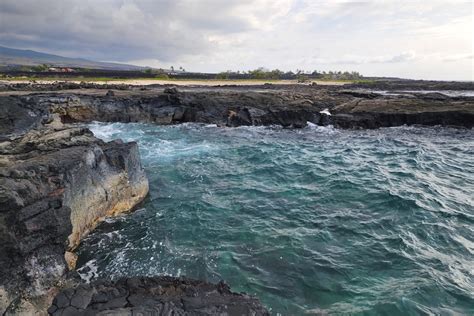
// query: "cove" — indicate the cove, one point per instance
point(309, 220)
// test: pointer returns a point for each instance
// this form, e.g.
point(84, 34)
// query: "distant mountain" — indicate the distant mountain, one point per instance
point(20, 57)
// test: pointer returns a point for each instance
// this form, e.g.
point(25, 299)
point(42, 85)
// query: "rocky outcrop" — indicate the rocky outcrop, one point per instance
point(404, 84)
point(171, 107)
point(396, 111)
point(154, 296)
point(56, 184)
point(59, 85)
point(289, 106)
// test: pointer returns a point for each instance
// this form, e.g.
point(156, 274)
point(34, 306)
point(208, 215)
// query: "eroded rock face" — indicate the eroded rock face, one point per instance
point(56, 184)
point(154, 296)
point(288, 106)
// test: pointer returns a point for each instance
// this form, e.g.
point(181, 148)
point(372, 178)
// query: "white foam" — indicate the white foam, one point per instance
point(88, 271)
point(172, 149)
point(104, 131)
point(325, 111)
point(328, 129)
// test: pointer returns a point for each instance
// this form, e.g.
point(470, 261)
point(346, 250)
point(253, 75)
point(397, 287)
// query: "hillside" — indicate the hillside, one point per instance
point(20, 57)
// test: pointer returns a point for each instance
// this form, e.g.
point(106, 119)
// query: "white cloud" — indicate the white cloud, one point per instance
point(392, 38)
point(357, 60)
point(458, 57)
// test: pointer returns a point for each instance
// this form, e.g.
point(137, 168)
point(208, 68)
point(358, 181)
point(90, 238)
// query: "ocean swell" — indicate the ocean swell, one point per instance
point(311, 221)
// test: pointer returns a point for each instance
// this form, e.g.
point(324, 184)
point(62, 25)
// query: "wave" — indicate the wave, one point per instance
point(310, 220)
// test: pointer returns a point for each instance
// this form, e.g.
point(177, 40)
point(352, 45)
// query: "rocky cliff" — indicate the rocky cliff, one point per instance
point(56, 184)
point(289, 106)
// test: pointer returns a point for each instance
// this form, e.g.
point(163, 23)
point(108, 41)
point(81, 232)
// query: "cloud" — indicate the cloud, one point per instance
point(357, 60)
point(458, 57)
point(124, 30)
point(373, 37)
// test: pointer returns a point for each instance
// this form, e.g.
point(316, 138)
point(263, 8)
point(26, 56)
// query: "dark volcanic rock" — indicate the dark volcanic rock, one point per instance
point(19, 116)
point(154, 296)
point(397, 111)
point(56, 184)
point(59, 85)
point(403, 84)
point(289, 106)
point(171, 90)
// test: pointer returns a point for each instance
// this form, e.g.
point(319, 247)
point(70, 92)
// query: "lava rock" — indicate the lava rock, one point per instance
point(171, 90)
point(58, 183)
point(154, 296)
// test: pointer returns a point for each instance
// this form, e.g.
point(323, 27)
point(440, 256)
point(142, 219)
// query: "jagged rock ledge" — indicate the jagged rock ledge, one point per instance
point(56, 184)
point(288, 106)
point(154, 296)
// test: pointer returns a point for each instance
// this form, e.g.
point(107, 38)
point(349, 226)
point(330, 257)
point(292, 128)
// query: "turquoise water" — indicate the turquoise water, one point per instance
point(316, 220)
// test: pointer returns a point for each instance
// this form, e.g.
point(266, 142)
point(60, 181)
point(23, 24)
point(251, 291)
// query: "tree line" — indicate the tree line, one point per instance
point(301, 75)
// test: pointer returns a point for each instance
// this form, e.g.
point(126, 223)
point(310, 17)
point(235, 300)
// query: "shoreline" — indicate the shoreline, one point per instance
point(58, 181)
point(178, 82)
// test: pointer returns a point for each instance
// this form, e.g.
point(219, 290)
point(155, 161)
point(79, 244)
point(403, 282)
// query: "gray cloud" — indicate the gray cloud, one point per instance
point(373, 37)
point(119, 30)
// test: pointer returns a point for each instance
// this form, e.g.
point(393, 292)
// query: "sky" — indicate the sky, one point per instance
point(427, 39)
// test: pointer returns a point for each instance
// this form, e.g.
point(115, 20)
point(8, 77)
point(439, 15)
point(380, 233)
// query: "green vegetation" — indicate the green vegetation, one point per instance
point(261, 73)
point(300, 75)
point(256, 74)
point(337, 75)
point(162, 76)
point(46, 72)
point(158, 73)
point(39, 68)
point(303, 78)
point(225, 75)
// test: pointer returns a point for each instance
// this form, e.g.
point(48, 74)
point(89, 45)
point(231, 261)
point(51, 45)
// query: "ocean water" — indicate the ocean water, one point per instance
point(312, 221)
point(449, 93)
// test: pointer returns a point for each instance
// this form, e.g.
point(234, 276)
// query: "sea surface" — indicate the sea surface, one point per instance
point(449, 93)
point(312, 221)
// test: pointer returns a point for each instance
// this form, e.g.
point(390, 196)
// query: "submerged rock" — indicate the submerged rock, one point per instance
point(154, 296)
